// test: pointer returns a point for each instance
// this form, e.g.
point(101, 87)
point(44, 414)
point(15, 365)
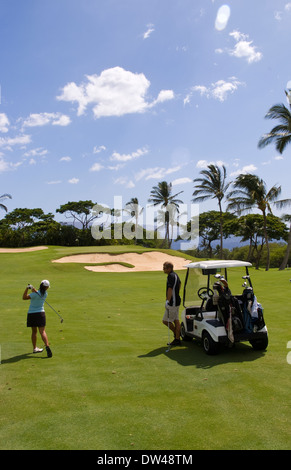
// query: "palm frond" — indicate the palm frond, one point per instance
point(280, 135)
point(273, 193)
point(5, 196)
point(282, 143)
point(279, 111)
point(282, 203)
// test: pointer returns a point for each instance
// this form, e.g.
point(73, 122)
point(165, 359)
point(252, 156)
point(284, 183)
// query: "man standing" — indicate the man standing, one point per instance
point(173, 301)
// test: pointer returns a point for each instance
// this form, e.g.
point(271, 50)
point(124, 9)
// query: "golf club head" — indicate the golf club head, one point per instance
point(62, 320)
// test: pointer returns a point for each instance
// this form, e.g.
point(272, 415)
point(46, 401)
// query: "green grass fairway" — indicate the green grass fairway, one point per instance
point(110, 384)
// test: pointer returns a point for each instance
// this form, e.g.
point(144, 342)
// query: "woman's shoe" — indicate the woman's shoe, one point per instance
point(49, 352)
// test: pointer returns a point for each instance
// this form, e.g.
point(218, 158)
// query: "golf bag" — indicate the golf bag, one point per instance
point(252, 311)
point(228, 306)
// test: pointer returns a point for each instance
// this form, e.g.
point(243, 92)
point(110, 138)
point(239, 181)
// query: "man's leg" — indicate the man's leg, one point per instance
point(171, 326)
point(177, 329)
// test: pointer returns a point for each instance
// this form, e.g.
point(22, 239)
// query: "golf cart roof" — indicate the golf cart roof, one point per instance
point(218, 264)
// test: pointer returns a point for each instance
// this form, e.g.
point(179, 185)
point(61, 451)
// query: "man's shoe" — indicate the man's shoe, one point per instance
point(49, 352)
point(176, 342)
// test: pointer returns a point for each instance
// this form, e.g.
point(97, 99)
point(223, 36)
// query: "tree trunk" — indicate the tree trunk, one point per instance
point(221, 231)
point(250, 249)
point(267, 242)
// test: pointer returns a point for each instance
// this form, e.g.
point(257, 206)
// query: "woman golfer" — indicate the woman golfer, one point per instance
point(36, 314)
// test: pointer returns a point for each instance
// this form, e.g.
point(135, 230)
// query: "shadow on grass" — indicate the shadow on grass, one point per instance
point(192, 354)
point(22, 357)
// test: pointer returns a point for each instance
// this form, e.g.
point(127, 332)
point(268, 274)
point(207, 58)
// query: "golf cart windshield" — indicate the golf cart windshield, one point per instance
point(202, 274)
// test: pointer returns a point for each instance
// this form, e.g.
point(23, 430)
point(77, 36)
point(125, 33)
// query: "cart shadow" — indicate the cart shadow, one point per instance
point(192, 354)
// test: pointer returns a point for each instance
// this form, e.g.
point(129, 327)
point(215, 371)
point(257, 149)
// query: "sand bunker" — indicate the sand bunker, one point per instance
point(148, 261)
point(22, 250)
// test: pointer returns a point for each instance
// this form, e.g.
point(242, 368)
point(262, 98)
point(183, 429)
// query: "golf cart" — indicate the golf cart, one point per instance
point(215, 315)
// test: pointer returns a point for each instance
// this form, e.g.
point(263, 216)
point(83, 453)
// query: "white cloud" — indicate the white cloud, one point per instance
point(99, 149)
point(7, 166)
point(96, 167)
point(9, 142)
point(244, 49)
point(155, 173)
point(164, 95)
point(279, 15)
point(4, 123)
point(65, 159)
point(181, 181)
point(123, 180)
point(4, 166)
point(204, 163)
point(238, 36)
point(42, 119)
point(61, 120)
point(54, 182)
point(221, 89)
point(149, 31)
point(246, 169)
point(127, 157)
point(114, 92)
point(115, 167)
point(218, 90)
point(73, 180)
point(38, 152)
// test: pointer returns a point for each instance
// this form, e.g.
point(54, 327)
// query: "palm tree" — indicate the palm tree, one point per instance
point(281, 134)
point(213, 185)
point(250, 192)
point(4, 196)
point(162, 195)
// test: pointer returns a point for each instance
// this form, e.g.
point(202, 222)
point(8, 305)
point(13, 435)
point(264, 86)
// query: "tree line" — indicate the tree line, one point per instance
point(29, 227)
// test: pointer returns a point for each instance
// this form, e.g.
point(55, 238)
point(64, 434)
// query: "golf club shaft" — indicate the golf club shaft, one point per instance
point(54, 310)
point(169, 345)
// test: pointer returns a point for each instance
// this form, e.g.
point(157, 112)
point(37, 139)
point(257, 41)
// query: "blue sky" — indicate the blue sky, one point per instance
point(104, 98)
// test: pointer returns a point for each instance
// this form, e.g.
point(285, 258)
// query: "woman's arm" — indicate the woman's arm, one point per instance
point(26, 296)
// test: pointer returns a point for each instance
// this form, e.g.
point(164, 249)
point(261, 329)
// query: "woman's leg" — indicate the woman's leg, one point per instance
point(43, 335)
point(45, 340)
point(33, 336)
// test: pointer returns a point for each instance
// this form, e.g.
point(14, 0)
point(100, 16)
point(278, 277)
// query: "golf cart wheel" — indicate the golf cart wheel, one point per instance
point(209, 345)
point(260, 344)
point(183, 334)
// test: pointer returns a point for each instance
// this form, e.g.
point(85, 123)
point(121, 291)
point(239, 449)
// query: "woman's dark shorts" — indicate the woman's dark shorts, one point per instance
point(36, 319)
